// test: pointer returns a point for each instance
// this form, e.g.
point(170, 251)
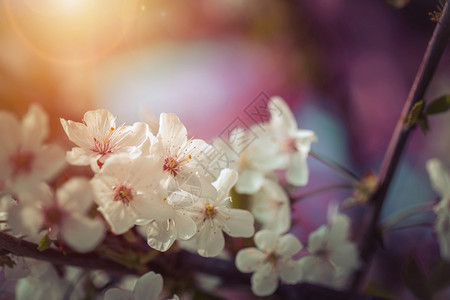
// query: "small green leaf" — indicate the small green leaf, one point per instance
point(439, 105)
point(45, 243)
point(415, 279)
point(416, 116)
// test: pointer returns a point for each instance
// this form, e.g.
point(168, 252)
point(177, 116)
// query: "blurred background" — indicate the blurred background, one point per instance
point(344, 66)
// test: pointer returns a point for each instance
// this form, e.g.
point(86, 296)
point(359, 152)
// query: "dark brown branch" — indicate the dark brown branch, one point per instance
point(430, 61)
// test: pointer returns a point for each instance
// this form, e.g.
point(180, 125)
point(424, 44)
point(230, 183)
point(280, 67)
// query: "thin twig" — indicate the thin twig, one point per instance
point(400, 136)
point(324, 189)
point(335, 166)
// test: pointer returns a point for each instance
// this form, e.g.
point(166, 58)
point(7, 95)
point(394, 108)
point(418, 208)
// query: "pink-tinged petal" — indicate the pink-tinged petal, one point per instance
point(148, 286)
point(318, 239)
point(118, 294)
point(264, 281)
point(171, 131)
point(81, 157)
point(161, 235)
point(227, 179)
point(118, 217)
point(249, 182)
point(81, 233)
point(291, 272)
point(238, 223)
point(9, 133)
point(249, 260)
point(78, 133)
point(99, 122)
point(439, 176)
point(210, 241)
point(266, 240)
point(76, 195)
point(145, 208)
point(34, 129)
point(186, 227)
point(298, 173)
point(49, 161)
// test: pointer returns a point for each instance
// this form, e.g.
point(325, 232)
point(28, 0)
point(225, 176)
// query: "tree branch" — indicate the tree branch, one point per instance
point(435, 49)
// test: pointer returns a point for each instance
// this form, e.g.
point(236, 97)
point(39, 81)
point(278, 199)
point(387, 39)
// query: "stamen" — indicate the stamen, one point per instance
point(21, 162)
point(123, 194)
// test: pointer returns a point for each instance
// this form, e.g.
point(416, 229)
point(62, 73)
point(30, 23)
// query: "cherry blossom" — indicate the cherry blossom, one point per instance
point(64, 215)
point(270, 206)
point(98, 137)
point(332, 256)
point(24, 160)
point(440, 180)
point(272, 259)
point(213, 215)
point(127, 190)
point(294, 143)
point(148, 287)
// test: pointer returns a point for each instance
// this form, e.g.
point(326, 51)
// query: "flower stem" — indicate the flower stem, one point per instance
point(324, 189)
point(335, 166)
point(430, 61)
point(392, 221)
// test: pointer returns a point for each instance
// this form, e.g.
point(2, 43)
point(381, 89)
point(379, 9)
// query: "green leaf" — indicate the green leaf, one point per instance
point(439, 105)
point(439, 276)
point(415, 279)
point(417, 117)
point(45, 243)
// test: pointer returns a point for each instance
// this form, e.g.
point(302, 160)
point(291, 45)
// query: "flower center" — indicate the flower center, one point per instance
point(123, 194)
point(272, 258)
point(210, 211)
point(289, 146)
point(174, 166)
point(21, 162)
point(53, 216)
point(102, 145)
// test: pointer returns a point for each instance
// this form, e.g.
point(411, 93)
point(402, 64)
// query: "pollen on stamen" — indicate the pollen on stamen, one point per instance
point(123, 194)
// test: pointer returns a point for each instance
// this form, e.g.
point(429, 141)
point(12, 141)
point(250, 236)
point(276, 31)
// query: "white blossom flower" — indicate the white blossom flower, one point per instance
point(253, 154)
point(295, 143)
point(24, 160)
point(271, 207)
point(127, 190)
point(64, 215)
point(272, 259)
point(212, 215)
point(98, 138)
point(332, 256)
point(440, 180)
point(180, 156)
point(148, 287)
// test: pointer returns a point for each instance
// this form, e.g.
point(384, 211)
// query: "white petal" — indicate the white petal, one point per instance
point(48, 162)
point(34, 127)
point(81, 233)
point(118, 217)
point(9, 132)
point(264, 282)
point(317, 270)
point(266, 240)
point(249, 260)
point(145, 208)
point(238, 223)
point(186, 227)
point(81, 157)
point(227, 179)
point(443, 233)
point(281, 117)
point(318, 239)
point(76, 195)
point(249, 182)
point(136, 135)
point(25, 219)
point(298, 173)
point(171, 130)
point(148, 287)
point(99, 122)
point(289, 245)
point(118, 294)
point(161, 235)
point(77, 133)
point(210, 241)
point(19, 270)
point(439, 176)
point(345, 255)
point(290, 272)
